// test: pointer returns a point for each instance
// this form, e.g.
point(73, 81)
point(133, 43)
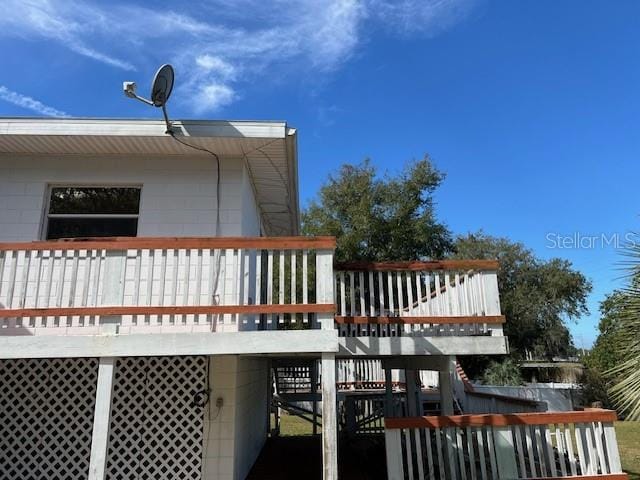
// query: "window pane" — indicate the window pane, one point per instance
point(91, 227)
point(95, 200)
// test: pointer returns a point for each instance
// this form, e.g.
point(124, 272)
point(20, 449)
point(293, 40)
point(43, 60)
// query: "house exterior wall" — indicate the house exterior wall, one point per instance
point(178, 193)
point(236, 432)
point(252, 396)
point(251, 224)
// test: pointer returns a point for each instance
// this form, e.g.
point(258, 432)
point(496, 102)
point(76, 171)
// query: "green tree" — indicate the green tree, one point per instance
point(380, 218)
point(537, 296)
point(506, 372)
point(604, 355)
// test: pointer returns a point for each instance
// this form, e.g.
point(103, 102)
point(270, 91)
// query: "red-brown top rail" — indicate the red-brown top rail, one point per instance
point(140, 243)
point(502, 420)
point(419, 266)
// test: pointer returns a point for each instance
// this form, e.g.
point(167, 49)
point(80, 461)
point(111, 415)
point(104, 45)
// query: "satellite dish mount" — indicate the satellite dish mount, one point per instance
point(160, 91)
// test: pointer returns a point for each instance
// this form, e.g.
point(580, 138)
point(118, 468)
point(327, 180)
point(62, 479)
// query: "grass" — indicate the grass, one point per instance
point(628, 434)
point(291, 426)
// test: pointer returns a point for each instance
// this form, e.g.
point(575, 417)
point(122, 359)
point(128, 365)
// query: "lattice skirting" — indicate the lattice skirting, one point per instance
point(46, 418)
point(156, 425)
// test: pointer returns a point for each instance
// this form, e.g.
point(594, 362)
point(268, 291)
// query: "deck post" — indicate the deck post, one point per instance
point(393, 450)
point(102, 419)
point(388, 391)
point(325, 286)
point(413, 407)
point(505, 452)
point(446, 386)
point(329, 418)
point(492, 295)
point(314, 391)
point(113, 288)
point(613, 455)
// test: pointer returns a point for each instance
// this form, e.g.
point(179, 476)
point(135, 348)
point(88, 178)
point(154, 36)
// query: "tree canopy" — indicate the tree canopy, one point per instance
point(389, 218)
point(380, 218)
point(537, 296)
point(605, 354)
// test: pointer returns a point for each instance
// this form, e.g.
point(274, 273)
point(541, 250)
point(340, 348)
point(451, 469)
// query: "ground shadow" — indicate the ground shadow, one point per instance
point(293, 458)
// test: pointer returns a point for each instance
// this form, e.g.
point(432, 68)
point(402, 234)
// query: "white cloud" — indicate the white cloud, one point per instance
point(213, 96)
point(64, 22)
point(215, 66)
point(29, 103)
point(222, 43)
point(420, 16)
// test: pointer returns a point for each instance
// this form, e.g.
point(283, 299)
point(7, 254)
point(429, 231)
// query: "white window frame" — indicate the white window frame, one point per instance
point(44, 228)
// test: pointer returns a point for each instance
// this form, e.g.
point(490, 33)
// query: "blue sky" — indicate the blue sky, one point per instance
point(531, 108)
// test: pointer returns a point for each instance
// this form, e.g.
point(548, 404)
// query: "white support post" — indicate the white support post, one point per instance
point(505, 452)
point(113, 287)
point(325, 286)
point(458, 384)
point(413, 409)
point(492, 297)
point(102, 419)
point(394, 454)
point(388, 391)
point(613, 455)
point(314, 391)
point(329, 418)
point(446, 387)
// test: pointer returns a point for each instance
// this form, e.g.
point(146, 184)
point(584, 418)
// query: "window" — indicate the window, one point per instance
point(92, 211)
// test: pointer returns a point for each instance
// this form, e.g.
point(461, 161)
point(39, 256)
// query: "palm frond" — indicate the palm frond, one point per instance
point(626, 376)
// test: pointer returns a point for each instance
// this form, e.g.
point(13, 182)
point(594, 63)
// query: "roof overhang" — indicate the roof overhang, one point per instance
point(268, 148)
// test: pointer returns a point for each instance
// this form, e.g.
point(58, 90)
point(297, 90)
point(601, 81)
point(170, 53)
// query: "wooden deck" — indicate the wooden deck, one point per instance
point(201, 285)
point(577, 444)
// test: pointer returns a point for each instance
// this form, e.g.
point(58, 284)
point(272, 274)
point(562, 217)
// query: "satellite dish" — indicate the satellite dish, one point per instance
point(160, 91)
point(162, 85)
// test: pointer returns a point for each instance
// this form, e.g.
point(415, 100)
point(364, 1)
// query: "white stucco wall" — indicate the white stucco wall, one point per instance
point(178, 193)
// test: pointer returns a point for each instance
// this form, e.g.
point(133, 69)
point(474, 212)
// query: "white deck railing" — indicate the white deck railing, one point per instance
point(513, 446)
point(158, 285)
point(162, 285)
point(454, 297)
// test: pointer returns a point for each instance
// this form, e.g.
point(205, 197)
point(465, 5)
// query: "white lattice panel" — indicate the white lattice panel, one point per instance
point(46, 418)
point(156, 429)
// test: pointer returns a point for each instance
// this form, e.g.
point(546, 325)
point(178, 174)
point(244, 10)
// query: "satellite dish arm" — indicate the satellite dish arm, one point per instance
point(143, 100)
point(129, 89)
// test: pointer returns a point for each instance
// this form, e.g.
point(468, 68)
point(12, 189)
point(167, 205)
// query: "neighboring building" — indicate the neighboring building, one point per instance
point(152, 354)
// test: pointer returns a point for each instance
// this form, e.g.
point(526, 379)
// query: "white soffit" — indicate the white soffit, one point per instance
point(269, 149)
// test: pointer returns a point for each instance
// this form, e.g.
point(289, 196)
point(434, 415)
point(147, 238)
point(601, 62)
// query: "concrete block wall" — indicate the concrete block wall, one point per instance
point(252, 395)
point(219, 423)
point(236, 432)
point(178, 193)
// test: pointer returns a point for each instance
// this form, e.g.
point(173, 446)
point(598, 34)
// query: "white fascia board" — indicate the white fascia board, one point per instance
point(230, 343)
point(140, 128)
point(378, 346)
point(292, 159)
